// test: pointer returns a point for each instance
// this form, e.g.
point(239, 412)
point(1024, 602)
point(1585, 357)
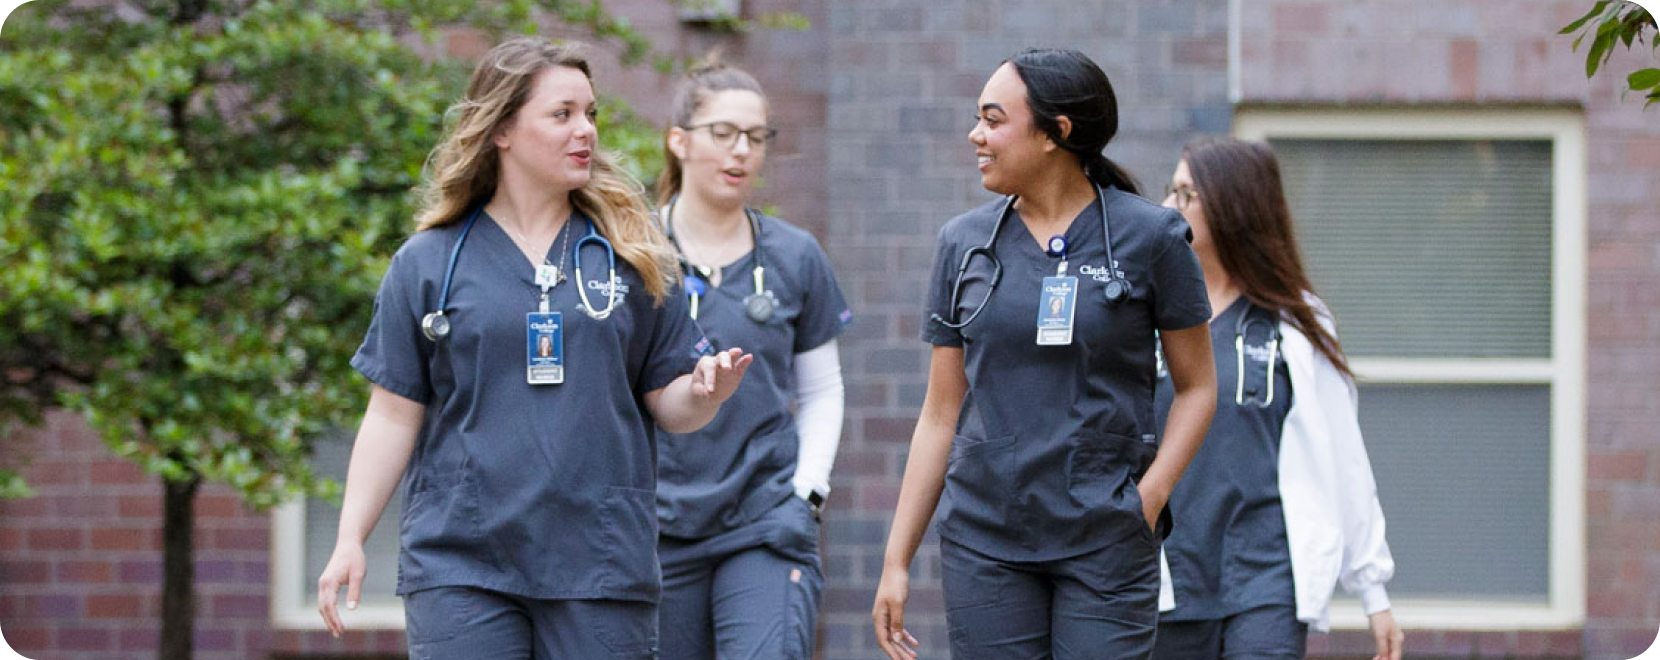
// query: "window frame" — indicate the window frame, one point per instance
point(293, 607)
point(1564, 371)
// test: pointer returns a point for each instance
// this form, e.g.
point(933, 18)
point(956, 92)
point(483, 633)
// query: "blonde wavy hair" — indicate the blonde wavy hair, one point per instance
point(462, 172)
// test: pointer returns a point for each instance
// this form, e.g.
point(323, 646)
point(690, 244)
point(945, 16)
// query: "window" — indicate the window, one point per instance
point(302, 539)
point(1451, 246)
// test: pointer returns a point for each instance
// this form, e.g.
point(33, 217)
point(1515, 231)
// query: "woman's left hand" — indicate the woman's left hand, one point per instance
point(717, 376)
point(1387, 634)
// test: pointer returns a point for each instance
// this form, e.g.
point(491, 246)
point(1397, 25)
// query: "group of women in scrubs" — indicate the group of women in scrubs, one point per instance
point(652, 486)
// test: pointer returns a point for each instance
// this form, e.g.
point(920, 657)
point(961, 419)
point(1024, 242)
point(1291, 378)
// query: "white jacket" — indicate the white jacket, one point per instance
point(1333, 522)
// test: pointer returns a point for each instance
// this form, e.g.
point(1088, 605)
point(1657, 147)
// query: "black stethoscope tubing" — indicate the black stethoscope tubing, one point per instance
point(1115, 289)
point(758, 306)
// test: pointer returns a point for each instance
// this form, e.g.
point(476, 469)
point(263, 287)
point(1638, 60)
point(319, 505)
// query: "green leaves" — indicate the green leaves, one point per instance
point(1614, 22)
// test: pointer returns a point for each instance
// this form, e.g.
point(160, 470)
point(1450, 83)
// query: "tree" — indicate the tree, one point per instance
point(197, 201)
point(1612, 22)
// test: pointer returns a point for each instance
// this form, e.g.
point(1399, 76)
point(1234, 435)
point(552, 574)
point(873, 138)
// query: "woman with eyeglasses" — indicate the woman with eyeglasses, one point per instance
point(1036, 437)
point(1279, 505)
point(529, 529)
point(739, 500)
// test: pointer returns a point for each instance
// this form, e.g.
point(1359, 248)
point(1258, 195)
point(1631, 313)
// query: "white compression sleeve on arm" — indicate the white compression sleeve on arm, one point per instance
point(819, 402)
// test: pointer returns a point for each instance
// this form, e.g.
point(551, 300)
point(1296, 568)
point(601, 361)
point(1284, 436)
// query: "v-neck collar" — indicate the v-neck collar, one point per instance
point(523, 263)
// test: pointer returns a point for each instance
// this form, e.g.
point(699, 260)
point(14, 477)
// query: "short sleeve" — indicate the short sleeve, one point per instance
point(676, 343)
point(940, 281)
point(824, 311)
point(1179, 297)
point(394, 353)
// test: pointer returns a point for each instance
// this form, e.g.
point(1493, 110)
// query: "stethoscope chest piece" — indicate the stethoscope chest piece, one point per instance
point(1116, 289)
point(435, 325)
point(759, 307)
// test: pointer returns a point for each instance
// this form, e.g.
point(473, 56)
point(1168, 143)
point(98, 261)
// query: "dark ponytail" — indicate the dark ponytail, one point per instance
point(1108, 174)
point(1066, 83)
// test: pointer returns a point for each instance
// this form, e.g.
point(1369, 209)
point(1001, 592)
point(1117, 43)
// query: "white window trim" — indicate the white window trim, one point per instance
point(293, 606)
point(1564, 370)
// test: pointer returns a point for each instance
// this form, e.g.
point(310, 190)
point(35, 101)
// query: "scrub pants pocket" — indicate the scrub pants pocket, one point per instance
point(448, 623)
point(628, 629)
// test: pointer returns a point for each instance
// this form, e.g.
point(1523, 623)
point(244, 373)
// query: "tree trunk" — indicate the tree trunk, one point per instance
point(178, 598)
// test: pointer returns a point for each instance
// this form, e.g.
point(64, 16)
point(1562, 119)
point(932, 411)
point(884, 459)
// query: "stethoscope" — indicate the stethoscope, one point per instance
point(1115, 289)
point(436, 325)
point(1241, 330)
point(1242, 327)
point(758, 306)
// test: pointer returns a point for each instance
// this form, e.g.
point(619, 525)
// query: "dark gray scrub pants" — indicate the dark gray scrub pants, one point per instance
point(1102, 605)
point(468, 623)
point(751, 593)
point(1271, 632)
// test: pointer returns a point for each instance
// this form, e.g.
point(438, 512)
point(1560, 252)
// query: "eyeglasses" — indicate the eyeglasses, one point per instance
point(726, 134)
point(1184, 194)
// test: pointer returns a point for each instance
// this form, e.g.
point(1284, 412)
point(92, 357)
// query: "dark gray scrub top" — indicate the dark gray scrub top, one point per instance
point(1050, 438)
point(739, 467)
point(1228, 552)
point(543, 491)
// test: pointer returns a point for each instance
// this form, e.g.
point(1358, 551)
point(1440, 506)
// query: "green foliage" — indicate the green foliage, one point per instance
point(1614, 22)
point(197, 201)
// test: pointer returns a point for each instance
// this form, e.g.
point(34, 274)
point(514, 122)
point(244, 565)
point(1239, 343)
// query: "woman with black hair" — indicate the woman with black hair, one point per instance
point(1280, 505)
point(1037, 430)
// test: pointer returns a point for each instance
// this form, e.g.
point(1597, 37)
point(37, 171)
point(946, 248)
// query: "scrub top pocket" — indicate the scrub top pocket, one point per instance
point(1102, 471)
point(630, 537)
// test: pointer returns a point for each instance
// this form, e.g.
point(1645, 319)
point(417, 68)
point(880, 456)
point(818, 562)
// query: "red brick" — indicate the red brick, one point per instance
point(1613, 604)
point(11, 538)
point(240, 606)
point(112, 607)
point(1566, 643)
point(1201, 52)
point(141, 506)
point(82, 507)
point(237, 539)
point(25, 572)
point(28, 642)
point(85, 572)
point(53, 473)
point(1624, 466)
point(218, 506)
point(139, 639)
point(117, 472)
point(1464, 62)
point(118, 539)
point(1300, 20)
point(1492, 644)
point(57, 538)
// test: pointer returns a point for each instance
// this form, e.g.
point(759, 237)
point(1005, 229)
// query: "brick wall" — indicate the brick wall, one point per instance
point(1402, 52)
point(81, 567)
point(904, 75)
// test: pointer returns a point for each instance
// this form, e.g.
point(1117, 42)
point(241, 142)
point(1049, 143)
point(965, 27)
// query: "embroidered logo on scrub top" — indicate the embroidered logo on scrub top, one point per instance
point(1099, 273)
point(1259, 353)
point(605, 289)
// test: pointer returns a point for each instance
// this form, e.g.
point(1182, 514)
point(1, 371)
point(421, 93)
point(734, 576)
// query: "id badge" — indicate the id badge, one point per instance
point(544, 348)
point(1054, 323)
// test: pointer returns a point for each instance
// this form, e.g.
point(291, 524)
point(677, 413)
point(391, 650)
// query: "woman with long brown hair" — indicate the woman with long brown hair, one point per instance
point(524, 342)
point(1279, 505)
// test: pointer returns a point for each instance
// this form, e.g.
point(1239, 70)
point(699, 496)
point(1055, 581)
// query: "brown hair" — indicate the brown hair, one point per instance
point(706, 78)
point(463, 171)
point(1250, 225)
